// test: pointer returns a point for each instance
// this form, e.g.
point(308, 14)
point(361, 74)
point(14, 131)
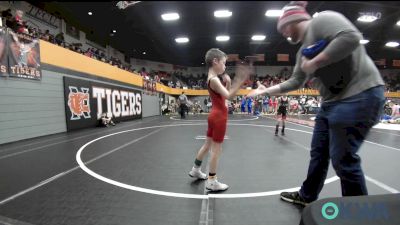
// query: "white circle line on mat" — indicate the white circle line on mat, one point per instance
point(175, 194)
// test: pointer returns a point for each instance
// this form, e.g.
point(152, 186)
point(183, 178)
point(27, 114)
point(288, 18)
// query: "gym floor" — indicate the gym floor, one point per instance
point(137, 173)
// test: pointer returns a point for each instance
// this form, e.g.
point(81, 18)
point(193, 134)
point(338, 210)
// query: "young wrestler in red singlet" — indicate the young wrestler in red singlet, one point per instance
point(217, 119)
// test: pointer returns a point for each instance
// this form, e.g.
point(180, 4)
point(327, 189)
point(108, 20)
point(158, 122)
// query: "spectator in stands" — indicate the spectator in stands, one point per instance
point(23, 29)
point(143, 72)
point(102, 56)
point(59, 38)
point(196, 108)
point(387, 107)
point(258, 105)
point(294, 106)
point(275, 105)
point(97, 54)
point(17, 23)
point(395, 111)
point(31, 31)
point(7, 16)
point(106, 121)
point(265, 104)
point(271, 105)
point(46, 35)
point(205, 104)
point(165, 109)
point(249, 102)
point(88, 53)
point(209, 104)
point(175, 107)
point(157, 78)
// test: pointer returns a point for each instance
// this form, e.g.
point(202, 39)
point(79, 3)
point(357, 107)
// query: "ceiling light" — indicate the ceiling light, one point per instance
point(144, 53)
point(367, 18)
point(114, 31)
point(182, 40)
point(289, 38)
point(170, 16)
point(392, 44)
point(222, 38)
point(90, 13)
point(398, 23)
point(258, 37)
point(222, 13)
point(274, 13)
point(363, 42)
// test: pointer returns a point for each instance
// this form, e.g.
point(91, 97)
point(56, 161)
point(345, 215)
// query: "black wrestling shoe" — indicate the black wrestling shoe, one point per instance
point(293, 197)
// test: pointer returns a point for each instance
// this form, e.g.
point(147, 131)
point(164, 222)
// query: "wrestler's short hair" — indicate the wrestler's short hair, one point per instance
point(212, 54)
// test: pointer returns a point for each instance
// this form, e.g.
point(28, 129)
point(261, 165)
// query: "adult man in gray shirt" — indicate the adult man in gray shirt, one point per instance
point(352, 92)
point(182, 104)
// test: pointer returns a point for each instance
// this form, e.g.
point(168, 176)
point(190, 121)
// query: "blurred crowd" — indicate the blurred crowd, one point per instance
point(175, 79)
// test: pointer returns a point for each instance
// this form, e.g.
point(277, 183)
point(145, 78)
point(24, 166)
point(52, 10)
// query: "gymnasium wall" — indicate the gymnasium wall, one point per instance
point(32, 108)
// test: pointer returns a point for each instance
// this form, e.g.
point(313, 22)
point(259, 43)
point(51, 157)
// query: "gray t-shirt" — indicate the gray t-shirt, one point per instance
point(183, 99)
point(349, 71)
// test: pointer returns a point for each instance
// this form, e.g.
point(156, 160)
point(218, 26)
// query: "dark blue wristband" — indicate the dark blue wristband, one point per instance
point(313, 50)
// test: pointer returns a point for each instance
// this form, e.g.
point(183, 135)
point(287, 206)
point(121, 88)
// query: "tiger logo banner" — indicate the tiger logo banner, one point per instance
point(78, 102)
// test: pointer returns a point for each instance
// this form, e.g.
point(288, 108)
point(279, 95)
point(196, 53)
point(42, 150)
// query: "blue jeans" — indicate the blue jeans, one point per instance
point(340, 129)
point(265, 108)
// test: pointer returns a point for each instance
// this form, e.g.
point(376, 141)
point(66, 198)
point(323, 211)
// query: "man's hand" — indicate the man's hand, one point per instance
point(261, 89)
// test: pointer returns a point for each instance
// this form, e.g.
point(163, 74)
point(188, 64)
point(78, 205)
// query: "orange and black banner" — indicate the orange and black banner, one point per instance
point(233, 58)
point(396, 63)
point(86, 102)
point(149, 87)
point(3, 52)
point(282, 57)
point(23, 56)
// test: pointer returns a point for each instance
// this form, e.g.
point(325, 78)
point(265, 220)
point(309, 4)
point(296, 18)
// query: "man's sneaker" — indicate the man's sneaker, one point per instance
point(214, 185)
point(293, 197)
point(196, 173)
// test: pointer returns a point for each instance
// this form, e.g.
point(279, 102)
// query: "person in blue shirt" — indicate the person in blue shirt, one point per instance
point(249, 105)
point(265, 104)
point(243, 105)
